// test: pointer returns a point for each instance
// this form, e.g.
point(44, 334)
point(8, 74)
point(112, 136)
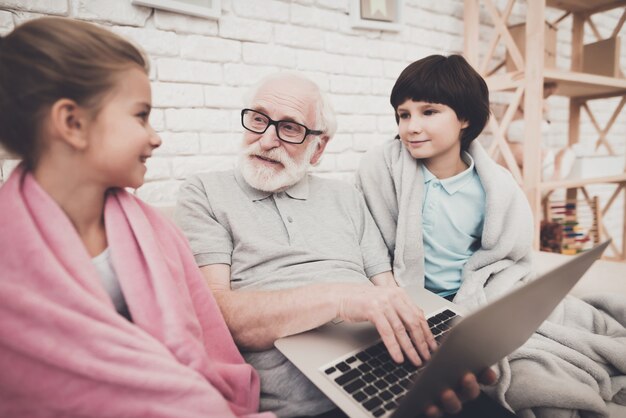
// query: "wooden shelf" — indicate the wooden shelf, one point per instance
point(575, 183)
point(590, 6)
point(575, 85)
point(583, 85)
point(570, 84)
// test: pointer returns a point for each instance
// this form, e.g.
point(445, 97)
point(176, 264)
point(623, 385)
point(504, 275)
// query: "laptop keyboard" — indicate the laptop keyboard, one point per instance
point(373, 379)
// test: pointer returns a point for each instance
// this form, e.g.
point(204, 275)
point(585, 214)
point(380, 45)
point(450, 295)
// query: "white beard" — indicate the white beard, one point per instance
point(271, 179)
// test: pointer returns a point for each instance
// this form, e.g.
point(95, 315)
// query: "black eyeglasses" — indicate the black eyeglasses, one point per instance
point(288, 131)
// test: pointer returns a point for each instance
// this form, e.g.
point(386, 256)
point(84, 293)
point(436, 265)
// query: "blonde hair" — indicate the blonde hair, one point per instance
point(51, 58)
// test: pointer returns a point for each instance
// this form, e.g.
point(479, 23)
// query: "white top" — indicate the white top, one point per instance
point(109, 280)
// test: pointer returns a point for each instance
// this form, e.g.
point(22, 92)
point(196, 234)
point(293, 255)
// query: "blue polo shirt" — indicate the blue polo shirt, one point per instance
point(453, 214)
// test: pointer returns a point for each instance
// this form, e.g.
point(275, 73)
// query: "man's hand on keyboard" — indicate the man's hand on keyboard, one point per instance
point(451, 401)
point(400, 323)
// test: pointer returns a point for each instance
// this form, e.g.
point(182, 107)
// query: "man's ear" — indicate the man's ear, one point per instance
point(464, 123)
point(68, 121)
point(321, 145)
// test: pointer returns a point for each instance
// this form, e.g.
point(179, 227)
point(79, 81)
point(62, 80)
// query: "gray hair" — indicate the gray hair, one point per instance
point(325, 118)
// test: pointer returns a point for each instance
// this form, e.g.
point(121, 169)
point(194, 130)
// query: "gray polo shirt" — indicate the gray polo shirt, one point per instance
point(317, 231)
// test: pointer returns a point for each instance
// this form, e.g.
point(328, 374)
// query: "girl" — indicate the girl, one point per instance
point(103, 311)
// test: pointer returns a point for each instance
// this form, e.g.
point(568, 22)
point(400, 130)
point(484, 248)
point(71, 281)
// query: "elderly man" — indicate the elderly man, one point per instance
point(285, 251)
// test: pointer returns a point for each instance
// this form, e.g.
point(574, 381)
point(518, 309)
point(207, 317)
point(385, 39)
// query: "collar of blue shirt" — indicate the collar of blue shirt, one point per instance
point(455, 183)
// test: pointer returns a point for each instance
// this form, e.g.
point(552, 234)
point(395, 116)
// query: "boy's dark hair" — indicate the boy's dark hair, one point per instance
point(450, 81)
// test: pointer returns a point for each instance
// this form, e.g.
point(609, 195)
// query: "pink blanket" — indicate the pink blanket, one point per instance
point(64, 351)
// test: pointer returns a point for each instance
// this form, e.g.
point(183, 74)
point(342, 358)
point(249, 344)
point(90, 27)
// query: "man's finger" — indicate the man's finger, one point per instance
point(402, 337)
point(418, 328)
point(388, 336)
point(418, 340)
point(430, 338)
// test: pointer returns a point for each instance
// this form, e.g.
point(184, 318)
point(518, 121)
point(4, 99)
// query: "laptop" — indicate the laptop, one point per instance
point(350, 365)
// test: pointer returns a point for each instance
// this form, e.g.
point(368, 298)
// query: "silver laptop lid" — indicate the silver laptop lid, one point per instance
point(491, 333)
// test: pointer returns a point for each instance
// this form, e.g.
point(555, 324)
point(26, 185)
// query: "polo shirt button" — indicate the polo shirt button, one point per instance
point(289, 219)
point(436, 185)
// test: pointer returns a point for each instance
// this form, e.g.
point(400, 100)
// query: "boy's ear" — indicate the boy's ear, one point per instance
point(464, 123)
point(68, 121)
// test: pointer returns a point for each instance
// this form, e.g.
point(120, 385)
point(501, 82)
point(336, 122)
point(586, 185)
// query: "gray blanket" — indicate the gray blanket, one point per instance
point(572, 365)
point(576, 361)
point(392, 185)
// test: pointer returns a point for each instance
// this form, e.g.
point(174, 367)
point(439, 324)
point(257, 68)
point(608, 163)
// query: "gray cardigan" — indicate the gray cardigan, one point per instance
point(393, 186)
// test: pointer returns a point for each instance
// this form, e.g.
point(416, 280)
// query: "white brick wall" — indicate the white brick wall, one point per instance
point(120, 12)
point(245, 29)
point(200, 69)
point(6, 21)
point(156, 43)
point(48, 7)
point(181, 24)
point(212, 48)
point(269, 54)
point(188, 71)
point(177, 95)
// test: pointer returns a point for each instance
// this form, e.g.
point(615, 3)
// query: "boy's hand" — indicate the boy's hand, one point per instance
point(451, 402)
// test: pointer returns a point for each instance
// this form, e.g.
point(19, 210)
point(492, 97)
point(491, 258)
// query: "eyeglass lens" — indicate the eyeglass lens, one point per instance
point(288, 131)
